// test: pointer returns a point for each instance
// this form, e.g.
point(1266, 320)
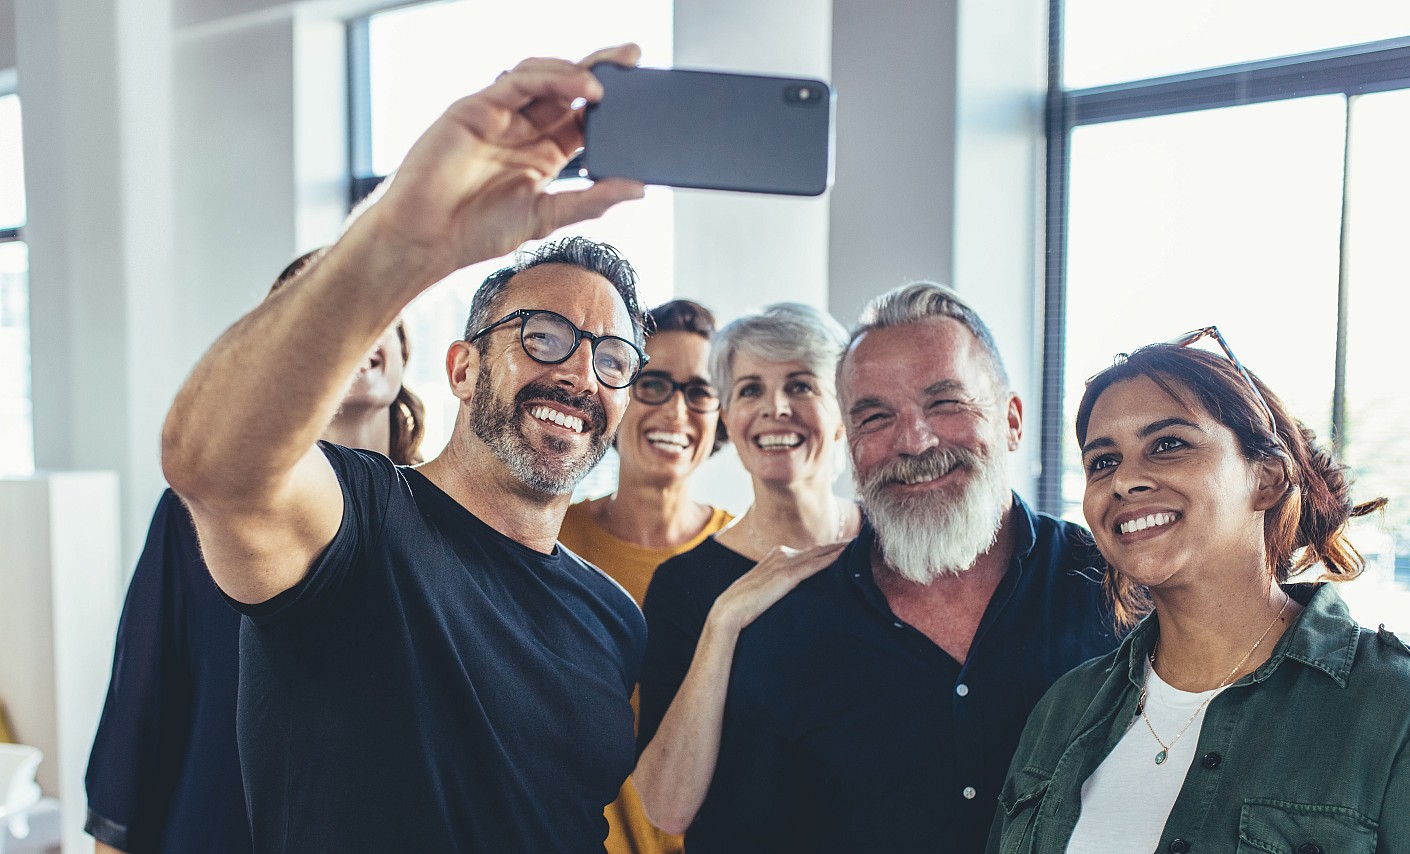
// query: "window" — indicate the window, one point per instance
point(1265, 197)
point(410, 63)
point(16, 425)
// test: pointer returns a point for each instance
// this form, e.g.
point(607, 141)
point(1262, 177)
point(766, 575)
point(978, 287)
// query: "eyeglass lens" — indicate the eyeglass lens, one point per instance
point(656, 389)
point(551, 339)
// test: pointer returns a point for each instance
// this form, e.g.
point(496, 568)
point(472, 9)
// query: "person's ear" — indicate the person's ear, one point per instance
point(463, 368)
point(1014, 414)
point(1272, 483)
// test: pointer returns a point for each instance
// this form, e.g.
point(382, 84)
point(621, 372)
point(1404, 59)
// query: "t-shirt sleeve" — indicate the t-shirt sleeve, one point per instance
point(675, 619)
point(130, 779)
point(368, 481)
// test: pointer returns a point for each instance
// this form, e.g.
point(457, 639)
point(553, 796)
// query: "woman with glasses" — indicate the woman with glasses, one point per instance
point(1244, 712)
point(669, 429)
point(775, 371)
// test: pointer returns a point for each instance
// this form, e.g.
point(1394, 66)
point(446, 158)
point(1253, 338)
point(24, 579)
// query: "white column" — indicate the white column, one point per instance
point(95, 87)
point(998, 196)
point(59, 575)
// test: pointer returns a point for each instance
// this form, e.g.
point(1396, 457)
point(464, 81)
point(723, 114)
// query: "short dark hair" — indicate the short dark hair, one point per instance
point(680, 315)
point(581, 252)
point(683, 315)
point(1312, 515)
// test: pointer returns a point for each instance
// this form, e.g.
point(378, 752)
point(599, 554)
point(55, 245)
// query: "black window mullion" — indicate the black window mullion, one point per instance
point(1339, 374)
point(1059, 138)
point(360, 112)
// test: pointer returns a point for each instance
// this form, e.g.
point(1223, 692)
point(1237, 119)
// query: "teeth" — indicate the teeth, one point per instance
point(1152, 521)
point(912, 480)
point(545, 413)
point(673, 440)
point(779, 440)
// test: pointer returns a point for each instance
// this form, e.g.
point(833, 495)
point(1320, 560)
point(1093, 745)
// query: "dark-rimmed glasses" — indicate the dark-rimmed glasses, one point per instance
point(549, 338)
point(1213, 332)
point(657, 387)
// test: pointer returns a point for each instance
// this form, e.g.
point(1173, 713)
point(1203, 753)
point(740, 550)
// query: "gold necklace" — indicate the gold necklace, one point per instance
point(1228, 680)
point(841, 530)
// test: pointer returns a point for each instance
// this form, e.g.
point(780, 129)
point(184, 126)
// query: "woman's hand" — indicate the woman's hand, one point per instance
point(674, 771)
point(772, 578)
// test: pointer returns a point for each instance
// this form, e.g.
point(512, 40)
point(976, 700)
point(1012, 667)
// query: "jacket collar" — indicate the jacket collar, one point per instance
point(1323, 637)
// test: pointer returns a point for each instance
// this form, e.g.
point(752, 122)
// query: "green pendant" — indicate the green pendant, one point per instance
point(1160, 757)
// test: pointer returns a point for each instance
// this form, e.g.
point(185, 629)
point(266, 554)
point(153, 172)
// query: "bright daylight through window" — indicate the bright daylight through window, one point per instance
point(16, 430)
point(1214, 197)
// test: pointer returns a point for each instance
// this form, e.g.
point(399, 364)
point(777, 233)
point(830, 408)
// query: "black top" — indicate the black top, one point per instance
point(164, 775)
point(677, 603)
point(433, 685)
point(848, 730)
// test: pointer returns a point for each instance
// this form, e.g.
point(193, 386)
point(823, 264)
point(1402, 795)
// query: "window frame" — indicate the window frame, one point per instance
point(1380, 66)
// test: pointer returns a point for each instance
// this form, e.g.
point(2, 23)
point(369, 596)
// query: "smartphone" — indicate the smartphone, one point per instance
point(710, 130)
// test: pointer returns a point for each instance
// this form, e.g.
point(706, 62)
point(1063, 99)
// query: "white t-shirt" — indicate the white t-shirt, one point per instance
point(1112, 819)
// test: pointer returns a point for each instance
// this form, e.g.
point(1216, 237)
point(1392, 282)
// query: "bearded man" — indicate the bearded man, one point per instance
point(876, 707)
point(422, 668)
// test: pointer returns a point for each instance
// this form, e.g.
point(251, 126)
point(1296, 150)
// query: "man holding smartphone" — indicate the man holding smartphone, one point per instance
point(422, 669)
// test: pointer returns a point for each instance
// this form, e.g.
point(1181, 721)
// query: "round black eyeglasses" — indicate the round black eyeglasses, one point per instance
point(656, 387)
point(550, 338)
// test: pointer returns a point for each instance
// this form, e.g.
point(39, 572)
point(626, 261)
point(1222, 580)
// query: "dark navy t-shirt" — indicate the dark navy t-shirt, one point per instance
point(163, 776)
point(434, 685)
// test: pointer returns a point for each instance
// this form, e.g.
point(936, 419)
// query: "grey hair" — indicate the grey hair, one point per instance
point(782, 332)
point(920, 301)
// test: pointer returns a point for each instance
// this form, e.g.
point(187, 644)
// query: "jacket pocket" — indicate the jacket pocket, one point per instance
point(1281, 827)
point(1019, 801)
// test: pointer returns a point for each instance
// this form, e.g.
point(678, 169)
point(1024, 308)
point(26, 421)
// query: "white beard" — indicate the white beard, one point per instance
point(925, 537)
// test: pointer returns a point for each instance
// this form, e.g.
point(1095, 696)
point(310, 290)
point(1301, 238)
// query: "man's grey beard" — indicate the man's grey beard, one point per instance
point(497, 423)
point(923, 537)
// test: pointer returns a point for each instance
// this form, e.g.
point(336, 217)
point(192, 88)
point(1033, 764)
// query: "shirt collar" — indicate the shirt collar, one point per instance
point(856, 558)
point(1323, 637)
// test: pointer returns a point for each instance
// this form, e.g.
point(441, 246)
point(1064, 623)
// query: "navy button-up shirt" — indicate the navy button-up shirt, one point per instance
point(848, 730)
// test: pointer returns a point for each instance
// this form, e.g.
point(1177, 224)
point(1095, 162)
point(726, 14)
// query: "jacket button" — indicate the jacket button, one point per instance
point(1309, 848)
point(1179, 846)
point(1211, 761)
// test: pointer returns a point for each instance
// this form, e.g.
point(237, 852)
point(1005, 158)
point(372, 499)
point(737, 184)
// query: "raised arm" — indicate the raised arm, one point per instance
point(674, 771)
point(239, 442)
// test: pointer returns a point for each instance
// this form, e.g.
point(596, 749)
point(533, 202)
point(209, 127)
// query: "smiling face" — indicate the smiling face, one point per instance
point(378, 380)
point(783, 420)
point(1170, 497)
point(930, 429)
point(549, 424)
point(664, 444)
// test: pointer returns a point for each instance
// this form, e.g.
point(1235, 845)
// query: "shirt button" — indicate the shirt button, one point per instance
point(969, 793)
point(962, 689)
point(1309, 848)
point(1211, 761)
point(1179, 846)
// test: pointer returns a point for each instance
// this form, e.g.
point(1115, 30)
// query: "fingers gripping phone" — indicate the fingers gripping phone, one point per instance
point(710, 130)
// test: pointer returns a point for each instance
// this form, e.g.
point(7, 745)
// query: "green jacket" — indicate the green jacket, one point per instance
point(1309, 754)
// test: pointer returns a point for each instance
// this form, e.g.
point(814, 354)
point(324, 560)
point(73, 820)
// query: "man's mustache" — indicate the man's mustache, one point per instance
point(584, 403)
point(929, 465)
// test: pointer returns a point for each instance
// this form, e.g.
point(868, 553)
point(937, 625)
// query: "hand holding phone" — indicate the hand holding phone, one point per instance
point(710, 130)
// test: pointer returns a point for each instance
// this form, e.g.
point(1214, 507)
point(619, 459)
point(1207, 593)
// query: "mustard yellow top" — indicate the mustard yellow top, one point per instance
point(630, 564)
point(628, 829)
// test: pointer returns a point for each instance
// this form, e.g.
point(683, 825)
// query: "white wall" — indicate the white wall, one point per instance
point(58, 570)
point(7, 34)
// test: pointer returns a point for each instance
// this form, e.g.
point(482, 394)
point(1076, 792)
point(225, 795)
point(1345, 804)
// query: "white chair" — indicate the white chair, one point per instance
point(18, 791)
